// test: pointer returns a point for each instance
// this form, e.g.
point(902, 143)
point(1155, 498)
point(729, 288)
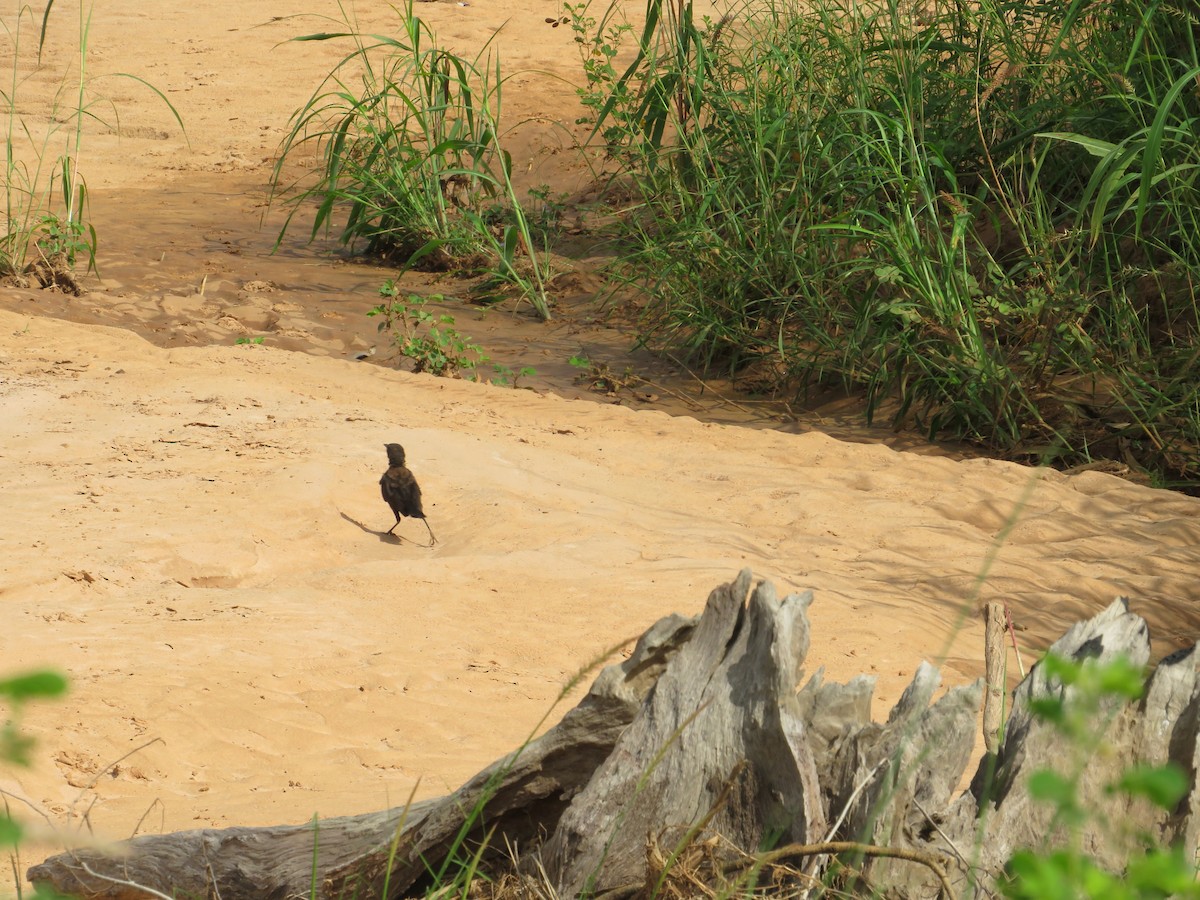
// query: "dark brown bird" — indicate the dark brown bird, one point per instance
point(401, 492)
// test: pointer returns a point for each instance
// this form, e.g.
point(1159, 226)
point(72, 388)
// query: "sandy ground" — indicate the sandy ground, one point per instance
point(192, 529)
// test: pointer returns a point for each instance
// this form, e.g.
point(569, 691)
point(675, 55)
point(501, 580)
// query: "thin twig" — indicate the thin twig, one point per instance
point(14, 856)
point(810, 867)
point(705, 386)
point(29, 803)
point(86, 818)
point(116, 762)
point(938, 828)
point(683, 398)
point(720, 801)
point(14, 859)
point(699, 827)
point(755, 865)
point(858, 789)
point(925, 859)
point(52, 832)
point(212, 876)
point(124, 882)
point(138, 826)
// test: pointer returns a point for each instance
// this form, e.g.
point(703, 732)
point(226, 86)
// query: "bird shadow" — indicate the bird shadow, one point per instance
point(384, 536)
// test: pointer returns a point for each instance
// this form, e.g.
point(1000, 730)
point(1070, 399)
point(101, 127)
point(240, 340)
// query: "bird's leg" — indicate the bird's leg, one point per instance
point(392, 530)
point(432, 539)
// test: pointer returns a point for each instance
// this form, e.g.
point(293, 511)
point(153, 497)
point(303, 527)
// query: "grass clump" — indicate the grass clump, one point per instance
point(44, 230)
point(409, 137)
point(980, 216)
point(44, 197)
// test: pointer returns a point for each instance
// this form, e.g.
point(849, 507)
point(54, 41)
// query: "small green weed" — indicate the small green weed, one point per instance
point(431, 341)
point(63, 241)
point(250, 340)
point(606, 95)
point(427, 338)
point(601, 378)
point(506, 375)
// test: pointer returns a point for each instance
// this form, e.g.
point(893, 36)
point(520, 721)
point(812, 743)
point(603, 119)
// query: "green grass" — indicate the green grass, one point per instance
point(44, 197)
point(981, 217)
point(409, 136)
point(978, 217)
point(44, 230)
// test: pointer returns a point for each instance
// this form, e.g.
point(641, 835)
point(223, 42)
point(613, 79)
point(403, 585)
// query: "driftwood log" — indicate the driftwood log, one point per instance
point(702, 739)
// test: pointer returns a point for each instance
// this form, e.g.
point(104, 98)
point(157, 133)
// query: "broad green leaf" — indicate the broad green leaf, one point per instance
point(34, 684)
point(1049, 709)
point(1121, 678)
point(1163, 872)
point(1163, 786)
point(1030, 876)
point(1096, 147)
point(10, 832)
point(1065, 670)
point(14, 746)
point(1052, 788)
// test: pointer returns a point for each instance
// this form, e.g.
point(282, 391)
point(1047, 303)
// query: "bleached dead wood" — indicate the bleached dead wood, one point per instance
point(705, 732)
point(720, 734)
point(994, 675)
point(1152, 731)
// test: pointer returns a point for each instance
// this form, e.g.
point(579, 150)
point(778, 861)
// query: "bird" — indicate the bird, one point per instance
point(401, 492)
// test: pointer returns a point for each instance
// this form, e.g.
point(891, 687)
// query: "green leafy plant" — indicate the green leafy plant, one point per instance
point(1081, 720)
point(63, 241)
point(16, 748)
point(428, 339)
point(606, 96)
point(250, 340)
point(506, 375)
point(432, 344)
point(979, 217)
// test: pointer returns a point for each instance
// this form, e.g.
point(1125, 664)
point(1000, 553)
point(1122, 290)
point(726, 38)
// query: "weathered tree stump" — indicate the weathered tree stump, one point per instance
point(720, 739)
point(1159, 728)
point(702, 737)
